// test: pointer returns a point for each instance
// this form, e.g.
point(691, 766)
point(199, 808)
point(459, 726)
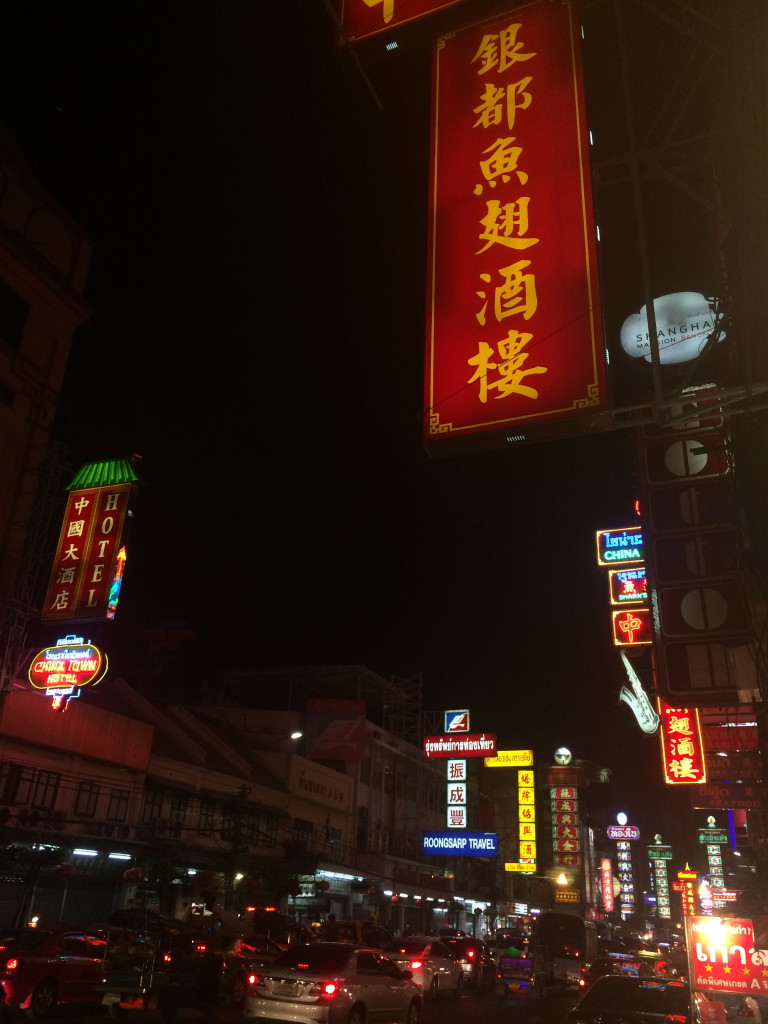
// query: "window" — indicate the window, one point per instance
point(205, 822)
point(15, 783)
point(153, 806)
point(45, 789)
point(179, 804)
point(13, 315)
point(87, 796)
point(268, 835)
point(117, 809)
point(303, 829)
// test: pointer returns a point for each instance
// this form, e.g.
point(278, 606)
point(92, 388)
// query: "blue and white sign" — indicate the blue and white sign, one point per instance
point(461, 844)
point(456, 721)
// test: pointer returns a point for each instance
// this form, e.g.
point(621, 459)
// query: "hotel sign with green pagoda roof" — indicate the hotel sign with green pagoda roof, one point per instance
point(88, 566)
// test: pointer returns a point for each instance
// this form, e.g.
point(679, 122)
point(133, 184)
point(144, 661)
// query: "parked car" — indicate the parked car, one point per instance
point(475, 958)
point(359, 933)
point(42, 968)
point(615, 998)
point(433, 967)
point(333, 983)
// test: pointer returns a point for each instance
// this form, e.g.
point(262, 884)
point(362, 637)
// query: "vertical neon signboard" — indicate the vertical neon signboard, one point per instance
point(513, 312)
point(682, 748)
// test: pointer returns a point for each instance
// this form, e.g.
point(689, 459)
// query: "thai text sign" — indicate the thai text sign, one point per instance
point(463, 745)
point(86, 563)
point(510, 758)
point(682, 750)
point(513, 324)
point(363, 18)
point(623, 832)
point(619, 546)
point(460, 844)
point(723, 955)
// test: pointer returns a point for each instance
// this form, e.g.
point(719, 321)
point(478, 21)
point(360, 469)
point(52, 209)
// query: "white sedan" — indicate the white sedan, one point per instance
point(333, 983)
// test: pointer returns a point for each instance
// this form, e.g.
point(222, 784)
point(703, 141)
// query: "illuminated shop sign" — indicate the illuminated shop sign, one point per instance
point(510, 759)
point(682, 749)
point(456, 721)
point(619, 546)
point(89, 563)
point(632, 627)
point(685, 321)
point(364, 18)
point(460, 844)
point(628, 586)
point(461, 745)
point(514, 335)
point(623, 832)
point(64, 670)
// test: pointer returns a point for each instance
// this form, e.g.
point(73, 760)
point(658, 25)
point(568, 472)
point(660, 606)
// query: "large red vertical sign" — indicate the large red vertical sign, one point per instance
point(86, 561)
point(682, 748)
point(513, 319)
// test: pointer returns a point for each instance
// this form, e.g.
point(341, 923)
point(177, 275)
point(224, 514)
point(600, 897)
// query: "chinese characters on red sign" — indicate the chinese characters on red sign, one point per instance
point(87, 562)
point(526, 804)
point(513, 326)
point(363, 18)
point(682, 749)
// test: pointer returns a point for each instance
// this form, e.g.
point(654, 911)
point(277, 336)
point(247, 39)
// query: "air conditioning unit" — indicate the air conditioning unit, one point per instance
point(58, 820)
point(161, 826)
point(108, 828)
point(125, 831)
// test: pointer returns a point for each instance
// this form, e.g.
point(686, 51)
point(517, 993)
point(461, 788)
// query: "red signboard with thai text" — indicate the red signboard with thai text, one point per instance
point(86, 565)
point(682, 749)
point(723, 955)
point(363, 18)
point(513, 320)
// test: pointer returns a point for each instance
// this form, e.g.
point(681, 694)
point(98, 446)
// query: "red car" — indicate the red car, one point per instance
point(41, 968)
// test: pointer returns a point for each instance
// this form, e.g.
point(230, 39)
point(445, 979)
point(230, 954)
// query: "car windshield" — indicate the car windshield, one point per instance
point(315, 957)
point(26, 939)
point(408, 947)
point(644, 995)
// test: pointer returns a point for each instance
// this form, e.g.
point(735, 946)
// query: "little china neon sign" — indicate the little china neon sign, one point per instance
point(65, 669)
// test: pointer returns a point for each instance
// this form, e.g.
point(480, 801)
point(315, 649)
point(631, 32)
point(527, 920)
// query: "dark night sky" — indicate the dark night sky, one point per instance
point(259, 287)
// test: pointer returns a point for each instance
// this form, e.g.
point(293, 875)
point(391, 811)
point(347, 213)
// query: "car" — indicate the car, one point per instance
point(333, 983)
point(241, 958)
point(475, 959)
point(615, 998)
point(359, 933)
point(433, 968)
point(614, 963)
point(42, 968)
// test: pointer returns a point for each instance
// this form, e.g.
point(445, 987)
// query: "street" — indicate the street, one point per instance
point(476, 1006)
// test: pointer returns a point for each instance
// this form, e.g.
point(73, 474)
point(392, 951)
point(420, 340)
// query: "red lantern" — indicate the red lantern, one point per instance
point(133, 875)
point(64, 871)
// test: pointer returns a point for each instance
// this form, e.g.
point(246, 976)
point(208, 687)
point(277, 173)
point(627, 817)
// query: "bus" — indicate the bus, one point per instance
point(565, 942)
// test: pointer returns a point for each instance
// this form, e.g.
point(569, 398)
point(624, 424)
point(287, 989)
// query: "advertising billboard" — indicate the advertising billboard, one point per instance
point(514, 335)
point(682, 748)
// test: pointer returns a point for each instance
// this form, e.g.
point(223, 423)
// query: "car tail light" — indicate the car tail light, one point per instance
point(167, 958)
point(678, 1018)
point(582, 982)
point(470, 954)
point(12, 964)
point(325, 990)
point(416, 965)
point(253, 980)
